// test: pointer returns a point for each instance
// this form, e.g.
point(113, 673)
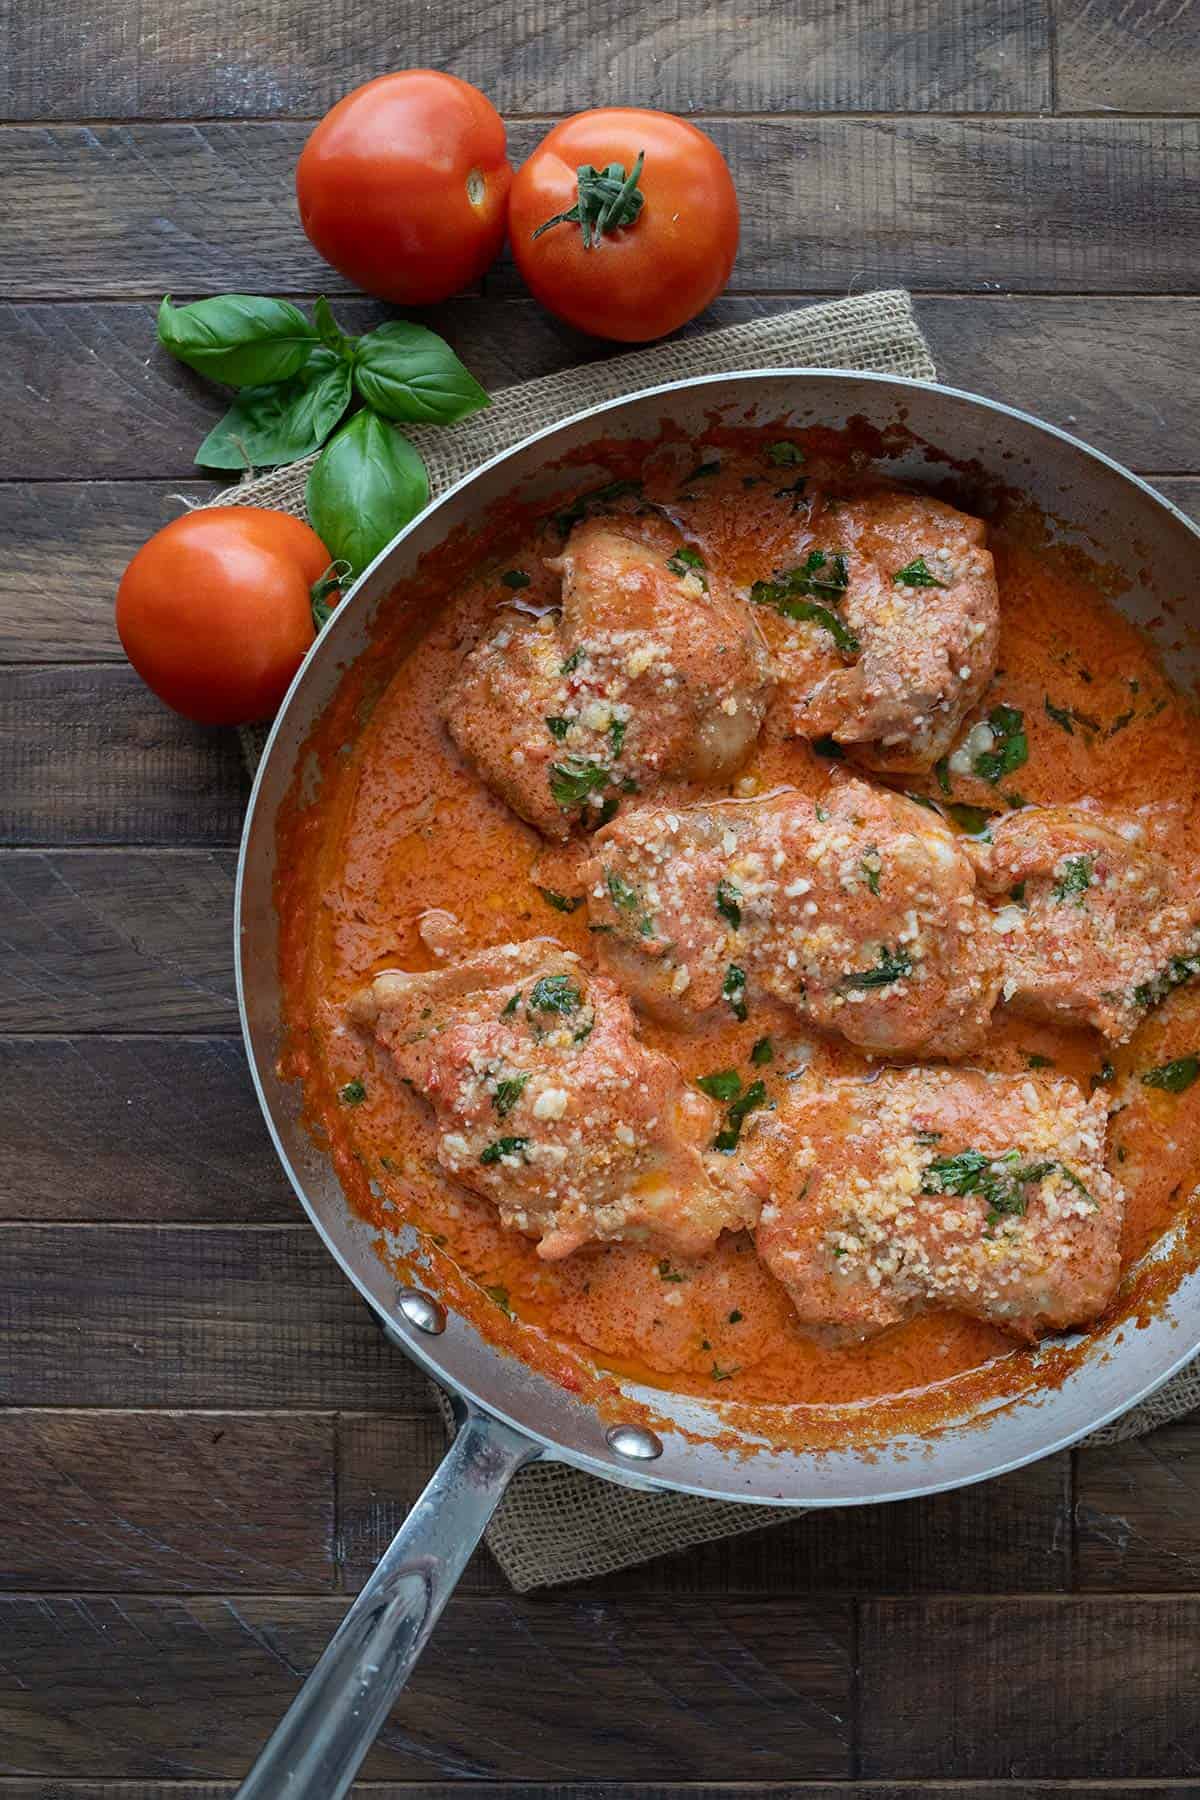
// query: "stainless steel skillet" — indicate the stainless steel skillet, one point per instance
point(510, 1414)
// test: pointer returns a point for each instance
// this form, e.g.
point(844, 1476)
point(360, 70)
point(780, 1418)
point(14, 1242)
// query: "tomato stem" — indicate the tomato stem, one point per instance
point(606, 200)
point(327, 583)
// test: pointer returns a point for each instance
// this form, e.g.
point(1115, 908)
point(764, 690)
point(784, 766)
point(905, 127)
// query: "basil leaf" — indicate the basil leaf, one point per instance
point(330, 336)
point(282, 422)
point(239, 338)
point(407, 372)
point(366, 486)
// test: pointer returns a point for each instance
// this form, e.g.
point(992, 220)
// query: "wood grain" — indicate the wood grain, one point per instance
point(167, 1502)
point(153, 1129)
point(121, 940)
point(1014, 1535)
point(22, 1788)
point(91, 756)
point(66, 545)
point(271, 58)
point(1024, 1688)
point(1128, 56)
point(703, 1691)
point(1119, 372)
point(1038, 205)
point(1136, 1509)
point(251, 1317)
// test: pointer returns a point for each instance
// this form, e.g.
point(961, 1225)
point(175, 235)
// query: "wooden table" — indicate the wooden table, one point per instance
point(204, 1438)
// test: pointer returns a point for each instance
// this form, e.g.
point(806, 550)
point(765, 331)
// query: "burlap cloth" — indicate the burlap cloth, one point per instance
point(556, 1524)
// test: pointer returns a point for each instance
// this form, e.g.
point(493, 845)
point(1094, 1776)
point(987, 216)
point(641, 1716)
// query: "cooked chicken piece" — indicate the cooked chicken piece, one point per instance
point(986, 1194)
point(885, 633)
point(547, 1104)
point(858, 909)
point(1097, 925)
point(654, 672)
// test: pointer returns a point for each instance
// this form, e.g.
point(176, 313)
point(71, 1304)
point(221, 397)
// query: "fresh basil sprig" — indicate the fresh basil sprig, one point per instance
point(238, 338)
point(280, 423)
point(406, 372)
point(366, 484)
point(297, 379)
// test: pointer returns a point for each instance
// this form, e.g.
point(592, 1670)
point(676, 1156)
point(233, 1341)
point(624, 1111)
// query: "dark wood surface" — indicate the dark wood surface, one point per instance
point(204, 1440)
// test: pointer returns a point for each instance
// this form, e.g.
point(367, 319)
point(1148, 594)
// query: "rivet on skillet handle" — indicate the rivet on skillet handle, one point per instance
point(422, 1310)
point(332, 1722)
point(635, 1443)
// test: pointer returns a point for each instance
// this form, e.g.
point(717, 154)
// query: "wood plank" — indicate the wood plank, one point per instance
point(167, 1502)
point(138, 1687)
point(272, 59)
point(1127, 56)
point(1011, 1535)
point(1119, 372)
point(157, 1129)
point(90, 756)
point(1030, 1688)
point(21, 1788)
point(110, 940)
point(1040, 205)
point(1184, 493)
point(249, 1317)
point(1136, 1511)
point(66, 545)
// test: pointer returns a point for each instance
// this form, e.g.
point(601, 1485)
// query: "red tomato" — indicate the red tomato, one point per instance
point(215, 611)
point(671, 256)
point(403, 186)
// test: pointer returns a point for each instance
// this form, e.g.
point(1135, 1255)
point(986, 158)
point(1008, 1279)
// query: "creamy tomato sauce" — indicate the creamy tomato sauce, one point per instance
point(403, 827)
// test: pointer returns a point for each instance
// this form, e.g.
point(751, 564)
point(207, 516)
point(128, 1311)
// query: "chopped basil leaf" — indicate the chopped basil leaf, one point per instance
point(1061, 716)
point(573, 661)
point(701, 470)
point(616, 734)
point(667, 1273)
point(736, 1317)
point(353, 1094)
point(1105, 1075)
point(572, 781)
point(500, 1296)
point(563, 903)
point(928, 1137)
point(892, 966)
point(809, 612)
point(1120, 722)
point(785, 455)
point(1011, 747)
point(822, 813)
point(1017, 894)
point(688, 561)
point(734, 990)
point(516, 578)
point(723, 1374)
point(921, 800)
point(724, 1086)
point(507, 1146)
point(609, 809)
point(975, 821)
point(1037, 1061)
point(558, 728)
point(1075, 879)
point(1177, 971)
point(1173, 1076)
point(999, 1181)
point(729, 902)
point(581, 505)
point(917, 573)
point(508, 1092)
point(870, 868)
point(1014, 800)
point(942, 771)
point(512, 1005)
point(763, 1052)
point(754, 1097)
point(555, 994)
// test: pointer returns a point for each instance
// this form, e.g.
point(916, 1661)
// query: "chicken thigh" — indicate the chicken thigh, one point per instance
point(654, 672)
point(885, 633)
point(985, 1194)
point(548, 1105)
point(858, 909)
point(1097, 924)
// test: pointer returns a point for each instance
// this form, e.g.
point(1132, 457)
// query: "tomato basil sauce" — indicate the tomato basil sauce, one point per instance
point(403, 826)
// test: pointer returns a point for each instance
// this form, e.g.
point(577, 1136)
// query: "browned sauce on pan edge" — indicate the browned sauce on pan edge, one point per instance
point(403, 826)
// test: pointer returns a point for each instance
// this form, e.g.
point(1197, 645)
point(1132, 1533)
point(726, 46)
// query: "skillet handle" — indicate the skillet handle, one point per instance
point(315, 1752)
